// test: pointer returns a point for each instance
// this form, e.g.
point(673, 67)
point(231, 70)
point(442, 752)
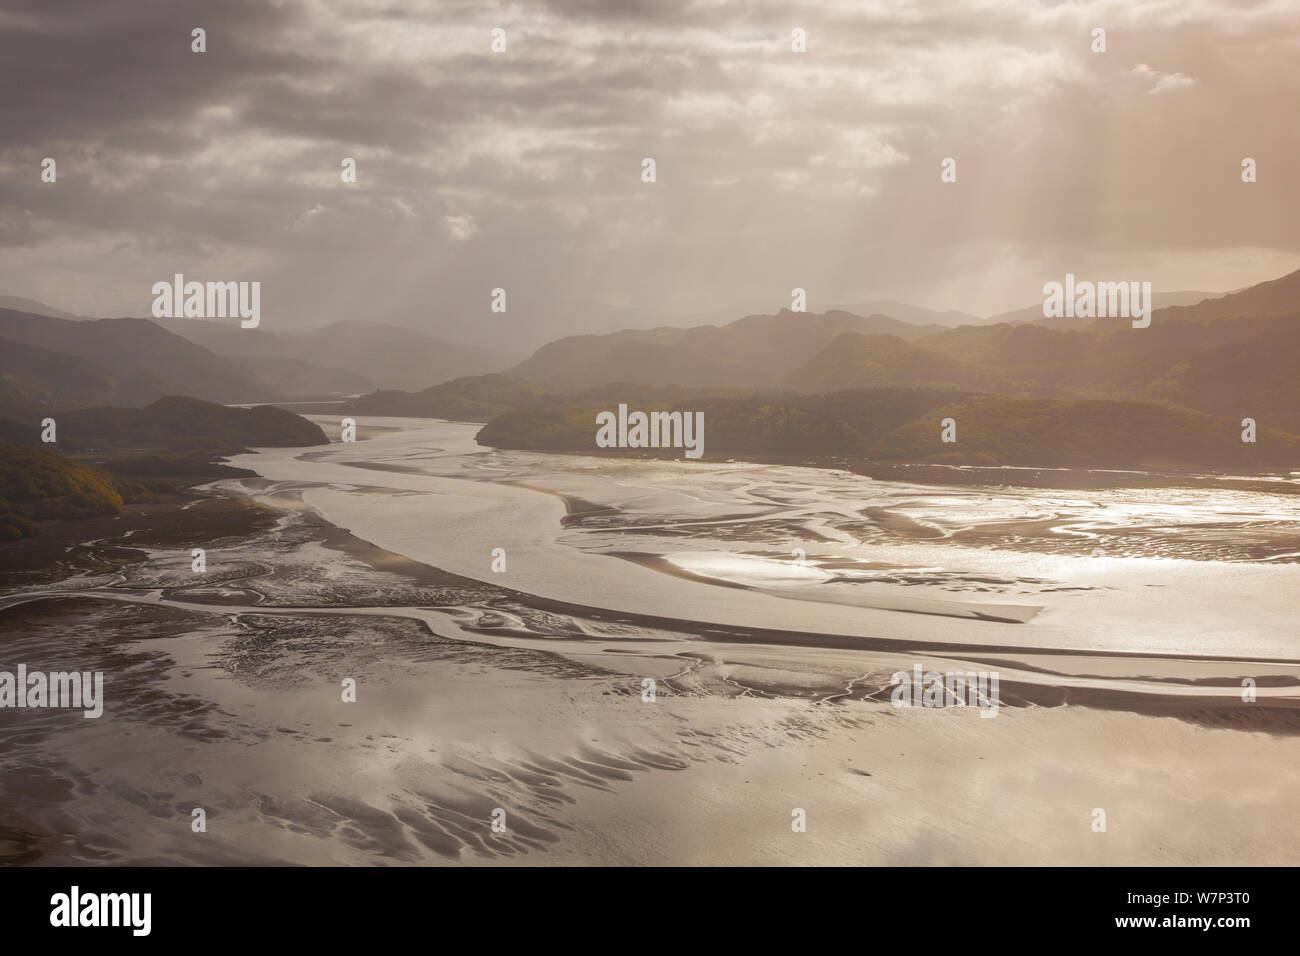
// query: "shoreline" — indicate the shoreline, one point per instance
point(918, 472)
point(940, 475)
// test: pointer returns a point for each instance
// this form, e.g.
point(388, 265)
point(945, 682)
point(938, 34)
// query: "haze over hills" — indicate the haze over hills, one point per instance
point(1239, 366)
point(912, 314)
point(755, 350)
point(903, 311)
point(1171, 395)
point(343, 358)
point(374, 354)
point(1275, 297)
point(475, 398)
point(131, 362)
point(1231, 357)
point(135, 361)
point(1034, 313)
point(43, 376)
point(854, 360)
point(1230, 367)
point(20, 304)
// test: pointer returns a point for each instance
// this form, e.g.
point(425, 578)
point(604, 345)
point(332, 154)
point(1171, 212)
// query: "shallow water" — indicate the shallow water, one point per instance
point(524, 690)
point(1205, 572)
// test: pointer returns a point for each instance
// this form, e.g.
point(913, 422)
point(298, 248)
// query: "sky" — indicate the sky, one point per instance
point(522, 169)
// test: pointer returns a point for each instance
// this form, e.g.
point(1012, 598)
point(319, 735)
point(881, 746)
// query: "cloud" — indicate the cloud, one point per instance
point(1164, 82)
point(522, 169)
point(460, 228)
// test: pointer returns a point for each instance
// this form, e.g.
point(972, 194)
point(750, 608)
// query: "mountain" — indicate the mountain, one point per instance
point(19, 304)
point(854, 360)
point(170, 444)
point(468, 399)
point(912, 314)
point(736, 423)
point(36, 483)
point(1256, 376)
point(1239, 367)
point(905, 425)
point(46, 377)
point(138, 361)
point(180, 424)
point(755, 350)
point(1275, 297)
point(1034, 313)
point(296, 379)
point(991, 430)
point(1227, 367)
point(131, 362)
point(374, 354)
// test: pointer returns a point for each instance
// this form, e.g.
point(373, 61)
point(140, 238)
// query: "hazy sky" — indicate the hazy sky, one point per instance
point(522, 169)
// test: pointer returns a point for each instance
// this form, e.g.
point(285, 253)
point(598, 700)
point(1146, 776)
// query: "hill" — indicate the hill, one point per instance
point(132, 362)
point(376, 355)
point(177, 423)
point(45, 377)
point(912, 314)
point(899, 424)
point(144, 360)
point(1034, 313)
point(1051, 434)
point(20, 304)
point(1233, 368)
point(1275, 297)
point(736, 423)
point(753, 351)
point(37, 484)
point(472, 398)
point(853, 360)
point(172, 443)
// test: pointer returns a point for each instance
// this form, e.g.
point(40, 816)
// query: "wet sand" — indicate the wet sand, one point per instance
point(224, 693)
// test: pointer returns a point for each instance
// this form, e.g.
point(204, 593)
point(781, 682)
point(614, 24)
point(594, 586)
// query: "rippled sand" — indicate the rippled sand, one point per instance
point(523, 691)
point(1160, 570)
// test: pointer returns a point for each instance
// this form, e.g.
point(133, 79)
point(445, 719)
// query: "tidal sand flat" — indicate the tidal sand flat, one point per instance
point(657, 676)
point(1177, 571)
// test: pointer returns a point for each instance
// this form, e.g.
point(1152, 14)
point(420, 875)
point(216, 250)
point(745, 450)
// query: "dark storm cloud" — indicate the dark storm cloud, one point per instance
point(80, 68)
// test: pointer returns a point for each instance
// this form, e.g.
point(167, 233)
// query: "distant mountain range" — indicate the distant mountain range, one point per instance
point(1243, 367)
point(755, 350)
point(1228, 357)
point(1234, 355)
point(1034, 313)
point(1275, 297)
point(63, 362)
point(127, 362)
point(19, 304)
point(912, 314)
point(375, 355)
point(477, 398)
point(854, 360)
